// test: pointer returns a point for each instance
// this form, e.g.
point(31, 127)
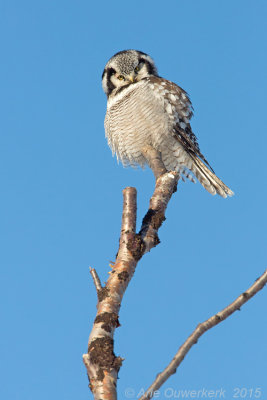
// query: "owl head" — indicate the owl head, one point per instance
point(126, 68)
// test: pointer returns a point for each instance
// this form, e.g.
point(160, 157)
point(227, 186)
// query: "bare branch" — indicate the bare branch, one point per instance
point(101, 363)
point(96, 279)
point(128, 225)
point(200, 330)
point(129, 210)
point(165, 186)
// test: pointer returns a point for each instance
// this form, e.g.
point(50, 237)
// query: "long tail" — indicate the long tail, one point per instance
point(208, 179)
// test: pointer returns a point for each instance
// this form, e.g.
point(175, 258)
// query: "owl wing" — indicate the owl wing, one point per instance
point(188, 139)
point(179, 107)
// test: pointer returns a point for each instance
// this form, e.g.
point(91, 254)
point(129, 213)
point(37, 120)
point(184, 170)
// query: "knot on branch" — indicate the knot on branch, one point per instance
point(153, 218)
point(218, 318)
point(101, 354)
point(175, 187)
point(110, 321)
point(136, 246)
point(123, 276)
point(102, 294)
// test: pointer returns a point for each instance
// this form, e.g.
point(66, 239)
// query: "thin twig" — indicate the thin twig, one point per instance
point(200, 330)
point(96, 279)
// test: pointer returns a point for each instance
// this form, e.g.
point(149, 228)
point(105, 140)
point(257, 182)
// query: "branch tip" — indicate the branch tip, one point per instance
point(96, 279)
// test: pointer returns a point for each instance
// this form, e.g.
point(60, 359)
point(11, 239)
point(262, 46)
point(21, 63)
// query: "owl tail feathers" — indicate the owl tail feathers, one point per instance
point(208, 179)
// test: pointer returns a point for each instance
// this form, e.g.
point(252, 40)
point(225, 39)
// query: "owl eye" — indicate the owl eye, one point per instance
point(121, 78)
point(137, 69)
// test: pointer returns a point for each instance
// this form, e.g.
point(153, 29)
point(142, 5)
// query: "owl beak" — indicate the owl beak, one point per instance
point(132, 78)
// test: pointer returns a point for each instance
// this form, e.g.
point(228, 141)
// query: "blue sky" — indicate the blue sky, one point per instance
point(61, 196)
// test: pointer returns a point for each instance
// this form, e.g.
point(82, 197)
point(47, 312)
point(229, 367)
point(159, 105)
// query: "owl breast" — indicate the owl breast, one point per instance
point(138, 116)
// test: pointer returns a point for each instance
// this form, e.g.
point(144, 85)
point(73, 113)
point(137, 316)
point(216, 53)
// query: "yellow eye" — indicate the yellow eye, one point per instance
point(137, 69)
point(121, 77)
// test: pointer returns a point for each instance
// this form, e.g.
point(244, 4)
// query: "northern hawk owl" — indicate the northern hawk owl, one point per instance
point(145, 109)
